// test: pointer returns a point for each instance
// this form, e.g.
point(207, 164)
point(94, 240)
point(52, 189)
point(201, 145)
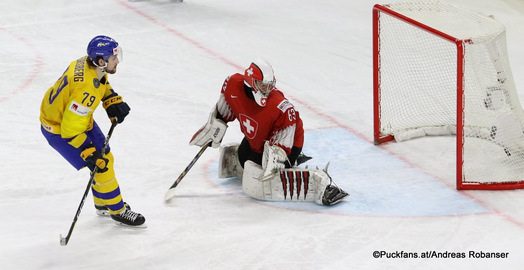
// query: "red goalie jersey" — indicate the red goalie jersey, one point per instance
point(277, 121)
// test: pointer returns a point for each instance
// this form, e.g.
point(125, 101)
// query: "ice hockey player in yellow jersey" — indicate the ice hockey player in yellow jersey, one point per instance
point(66, 117)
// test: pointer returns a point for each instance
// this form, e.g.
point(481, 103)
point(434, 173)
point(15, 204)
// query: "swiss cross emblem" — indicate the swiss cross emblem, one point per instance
point(250, 72)
point(248, 125)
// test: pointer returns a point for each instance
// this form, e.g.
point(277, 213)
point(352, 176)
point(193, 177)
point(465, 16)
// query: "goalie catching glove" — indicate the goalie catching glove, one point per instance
point(93, 158)
point(212, 132)
point(116, 108)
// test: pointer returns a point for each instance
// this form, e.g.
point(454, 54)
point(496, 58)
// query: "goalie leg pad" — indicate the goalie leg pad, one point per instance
point(268, 190)
point(327, 192)
point(228, 163)
point(322, 180)
point(291, 185)
point(250, 183)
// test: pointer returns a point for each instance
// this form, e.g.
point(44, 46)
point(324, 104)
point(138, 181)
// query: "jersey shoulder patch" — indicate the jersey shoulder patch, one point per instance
point(284, 105)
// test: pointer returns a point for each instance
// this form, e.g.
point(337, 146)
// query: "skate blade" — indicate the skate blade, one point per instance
point(143, 226)
point(339, 198)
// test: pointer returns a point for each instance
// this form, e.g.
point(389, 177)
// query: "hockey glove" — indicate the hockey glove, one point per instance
point(116, 108)
point(213, 131)
point(94, 158)
point(273, 160)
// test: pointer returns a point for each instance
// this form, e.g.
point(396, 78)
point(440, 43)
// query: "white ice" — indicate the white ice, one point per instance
point(176, 56)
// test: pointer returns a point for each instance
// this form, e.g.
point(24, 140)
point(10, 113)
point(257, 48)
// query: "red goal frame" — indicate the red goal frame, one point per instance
point(379, 138)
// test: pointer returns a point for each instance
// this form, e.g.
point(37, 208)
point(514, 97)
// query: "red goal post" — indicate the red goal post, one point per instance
point(442, 70)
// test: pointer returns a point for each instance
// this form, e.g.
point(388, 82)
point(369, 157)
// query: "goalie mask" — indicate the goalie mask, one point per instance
point(260, 77)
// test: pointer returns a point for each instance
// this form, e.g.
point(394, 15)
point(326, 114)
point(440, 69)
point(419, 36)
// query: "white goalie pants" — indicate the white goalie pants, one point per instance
point(287, 185)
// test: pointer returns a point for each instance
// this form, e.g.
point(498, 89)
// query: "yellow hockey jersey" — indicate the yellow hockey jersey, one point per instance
point(67, 107)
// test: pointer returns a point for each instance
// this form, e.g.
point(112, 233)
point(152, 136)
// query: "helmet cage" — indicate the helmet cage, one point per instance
point(261, 79)
point(264, 87)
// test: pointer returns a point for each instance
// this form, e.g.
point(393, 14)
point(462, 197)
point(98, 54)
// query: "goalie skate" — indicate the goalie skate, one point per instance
point(333, 195)
point(302, 158)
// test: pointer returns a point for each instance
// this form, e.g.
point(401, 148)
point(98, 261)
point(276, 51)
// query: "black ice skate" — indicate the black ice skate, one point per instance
point(333, 195)
point(102, 210)
point(302, 158)
point(130, 218)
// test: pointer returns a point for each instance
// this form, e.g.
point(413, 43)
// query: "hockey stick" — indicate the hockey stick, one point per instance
point(65, 240)
point(171, 191)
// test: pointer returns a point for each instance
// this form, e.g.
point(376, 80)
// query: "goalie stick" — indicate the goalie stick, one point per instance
point(171, 191)
point(65, 240)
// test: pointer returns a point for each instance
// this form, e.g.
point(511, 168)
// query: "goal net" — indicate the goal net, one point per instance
point(443, 70)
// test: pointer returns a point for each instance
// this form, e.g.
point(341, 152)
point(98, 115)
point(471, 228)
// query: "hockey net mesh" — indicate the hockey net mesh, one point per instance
point(417, 72)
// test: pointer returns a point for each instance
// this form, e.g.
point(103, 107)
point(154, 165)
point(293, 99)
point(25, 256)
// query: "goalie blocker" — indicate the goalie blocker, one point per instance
point(272, 182)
